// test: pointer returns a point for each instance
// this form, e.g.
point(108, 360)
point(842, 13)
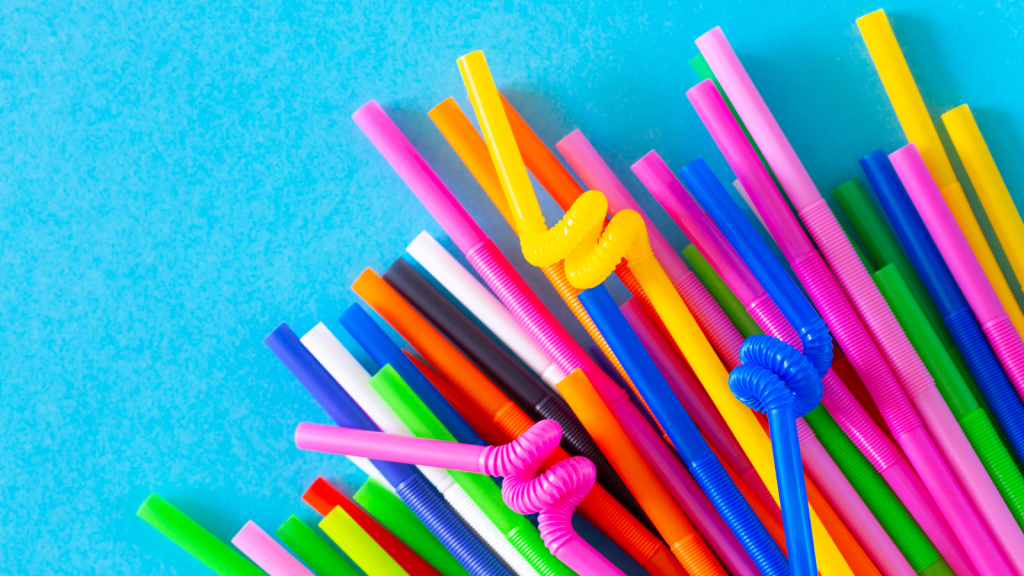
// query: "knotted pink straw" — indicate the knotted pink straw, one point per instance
point(555, 493)
point(847, 327)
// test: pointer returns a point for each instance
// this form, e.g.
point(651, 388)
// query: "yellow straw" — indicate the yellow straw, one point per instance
point(918, 126)
point(360, 546)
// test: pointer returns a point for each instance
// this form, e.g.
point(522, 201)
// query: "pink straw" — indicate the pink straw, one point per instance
point(962, 263)
point(847, 327)
point(596, 174)
point(512, 290)
point(266, 553)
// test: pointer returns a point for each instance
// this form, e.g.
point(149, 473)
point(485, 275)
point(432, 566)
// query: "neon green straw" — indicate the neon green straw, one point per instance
point(360, 547)
point(394, 515)
point(185, 532)
point(523, 535)
point(721, 293)
point(975, 423)
point(311, 549)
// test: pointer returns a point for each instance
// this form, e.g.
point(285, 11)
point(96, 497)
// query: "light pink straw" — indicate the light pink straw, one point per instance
point(847, 327)
point(596, 174)
point(266, 553)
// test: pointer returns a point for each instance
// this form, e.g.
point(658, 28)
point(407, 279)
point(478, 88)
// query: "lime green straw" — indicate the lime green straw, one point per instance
point(975, 423)
point(311, 549)
point(886, 250)
point(523, 535)
point(185, 532)
point(360, 547)
point(734, 309)
point(394, 515)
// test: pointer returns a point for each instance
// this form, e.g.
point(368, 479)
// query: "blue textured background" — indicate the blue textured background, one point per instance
point(178, 178)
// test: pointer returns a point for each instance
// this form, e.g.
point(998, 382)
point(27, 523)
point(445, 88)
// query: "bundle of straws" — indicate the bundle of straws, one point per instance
point(715, 427)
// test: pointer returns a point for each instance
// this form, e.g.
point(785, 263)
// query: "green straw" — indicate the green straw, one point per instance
point(721, 293)
point(360, 547)
point(394, 515)
point(523, 535)
point(975, 423)
point(311, 549)
point(185, 532)
point(886, 250)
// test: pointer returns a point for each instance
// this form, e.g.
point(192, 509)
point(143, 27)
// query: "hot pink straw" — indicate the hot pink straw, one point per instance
point(512, 290)
point(837, 399)
point(266, 553)
point(848, 328)
point(555, 493)
point(596, 174)
point(963, 264)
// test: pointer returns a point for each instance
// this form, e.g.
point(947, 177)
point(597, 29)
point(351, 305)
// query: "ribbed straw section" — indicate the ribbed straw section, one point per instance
point(1008, 348)
point(997, 460)
point(853, 338)
point(475, 518)
point(837, 398)
point(695, 556)
point(426, 503)
point(803, 431)
point(955, 198)
point(529, 543)
point(870, 304)
point(721, 332)
point(1002, 398)
point(711, 476)
point(512, 421)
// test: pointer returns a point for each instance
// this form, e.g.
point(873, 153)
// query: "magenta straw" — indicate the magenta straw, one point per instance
point(695, 399)
point(596, 175)
point(555, 493)
point(963, 264)
point(846, 326)
point(837, 399)
point(512, 290)
point(266, 553)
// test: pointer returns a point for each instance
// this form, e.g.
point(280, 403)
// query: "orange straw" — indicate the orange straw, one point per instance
point(598, 507)
point(691, 552)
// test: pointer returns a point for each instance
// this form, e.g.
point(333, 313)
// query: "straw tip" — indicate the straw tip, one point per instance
point(148, 503)
point(873, 17)
point(443, 105)
point(573, 138)
point(961, 110)
point(370, 107)
point(715, 32)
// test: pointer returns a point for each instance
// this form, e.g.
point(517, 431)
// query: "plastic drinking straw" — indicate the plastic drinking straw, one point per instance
point(414, 489)
point(972, 418)
point(194, 539)
point(592, 169)
point(573, 239)
point(864, 354)
point(725, 298)
point(311, 549)
point(956, 313)
point(266, 553)
point(844, 369)
point(360, 547)
point(988, 183)
point(918, 126)
point(457, 491)
point(323, 497)
point(555, 494)
point(599, 507)
point(673, 526)
point(389, 510)
point(510, 288)
point(513, 378)
point(517, 529)
point(483, 305)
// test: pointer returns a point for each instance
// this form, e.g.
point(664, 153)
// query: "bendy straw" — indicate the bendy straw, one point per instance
point(323, 497)
point(554, 494)
point(919, 129)
point(955, 311)
point(513, 378)
point(889, 342)
point(194, 539)
point(313, 550)
point(347, 371)
point(360, 547)
point(513, 292)
point(267, 553)
point(988, 183)
point(483, 305)
point(414, 489)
